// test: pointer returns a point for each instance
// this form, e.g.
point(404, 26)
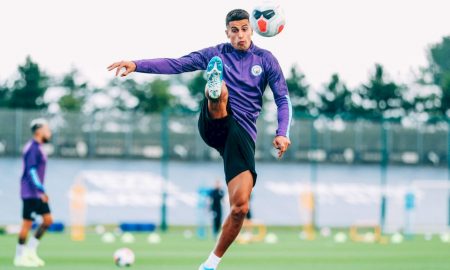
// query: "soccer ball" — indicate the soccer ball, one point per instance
point(124, 257)
point(127, 238)
point(340, 237)
point(267, 19)
point(108, 238)
point(397, 238)
point(271, 238)
point(154, 238)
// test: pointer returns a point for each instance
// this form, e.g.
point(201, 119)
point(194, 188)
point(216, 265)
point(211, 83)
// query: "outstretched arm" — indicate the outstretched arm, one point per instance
point(284, 108)
point(191, 62)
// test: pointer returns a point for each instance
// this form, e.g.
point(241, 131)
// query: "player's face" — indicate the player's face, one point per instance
point(44, 133)
point(240, 34)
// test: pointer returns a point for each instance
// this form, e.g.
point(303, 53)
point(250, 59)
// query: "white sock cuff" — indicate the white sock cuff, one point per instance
point(33, 243)
point(212, 255)
point(19, 250)
point(212, 261)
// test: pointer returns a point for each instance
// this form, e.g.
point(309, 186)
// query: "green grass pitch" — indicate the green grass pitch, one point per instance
point(176, 253)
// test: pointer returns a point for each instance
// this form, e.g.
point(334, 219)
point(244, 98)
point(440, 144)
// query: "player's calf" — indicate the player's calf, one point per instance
point(47, 220)
point(46, 223)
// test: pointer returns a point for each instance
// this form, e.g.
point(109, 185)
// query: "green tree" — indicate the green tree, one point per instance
point(196, 87)
point(336, 98)
point(76, 94)
point(438, 73)
point(152, 97)
point(135, 89)
point(439, 60)
point(429, 104)
point(28, 91)
point(159, 97)
point(445, 95)
point(298, 91)
point(382, 97)
point(4, 96)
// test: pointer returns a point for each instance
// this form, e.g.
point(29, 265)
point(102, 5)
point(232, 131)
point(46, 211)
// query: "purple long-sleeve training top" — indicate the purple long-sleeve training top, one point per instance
point(33, 157)
point(246, 74)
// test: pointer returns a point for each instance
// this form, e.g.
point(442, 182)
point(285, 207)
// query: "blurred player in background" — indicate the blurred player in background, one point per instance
point(34, 197)
point(216, 196)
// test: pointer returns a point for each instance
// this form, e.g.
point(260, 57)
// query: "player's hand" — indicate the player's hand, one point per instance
point(282, 144)
point(44, 198)
point(129, 66)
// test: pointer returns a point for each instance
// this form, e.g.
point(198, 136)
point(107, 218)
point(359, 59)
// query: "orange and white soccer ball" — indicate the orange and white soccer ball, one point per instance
point(268, 19)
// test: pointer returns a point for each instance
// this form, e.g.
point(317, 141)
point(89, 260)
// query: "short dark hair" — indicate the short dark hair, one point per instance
point(236, 15)
point(37, 124)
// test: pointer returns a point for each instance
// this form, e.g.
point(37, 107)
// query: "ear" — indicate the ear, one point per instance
point(226, 33)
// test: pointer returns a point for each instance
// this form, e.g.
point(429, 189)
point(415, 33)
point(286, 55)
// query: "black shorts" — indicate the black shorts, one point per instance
point(36, 206)
point(233, 142)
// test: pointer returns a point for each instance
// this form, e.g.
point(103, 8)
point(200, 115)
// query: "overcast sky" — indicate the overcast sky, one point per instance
point(321, 36)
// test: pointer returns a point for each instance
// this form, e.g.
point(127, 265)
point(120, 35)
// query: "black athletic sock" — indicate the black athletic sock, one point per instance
point(22, 241)
point(40, 231)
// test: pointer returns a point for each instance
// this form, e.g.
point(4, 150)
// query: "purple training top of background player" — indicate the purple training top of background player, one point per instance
point(33, 157)
point(246, 74)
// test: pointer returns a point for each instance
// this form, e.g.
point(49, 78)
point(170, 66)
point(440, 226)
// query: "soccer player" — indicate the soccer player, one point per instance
point(34, 196)
point(237, 75)
point(216, 196)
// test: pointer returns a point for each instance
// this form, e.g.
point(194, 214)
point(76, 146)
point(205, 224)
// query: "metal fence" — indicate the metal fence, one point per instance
point(132, 135)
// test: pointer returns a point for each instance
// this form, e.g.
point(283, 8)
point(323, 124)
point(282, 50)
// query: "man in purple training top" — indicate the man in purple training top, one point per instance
point(35, 199)
point(237, 75)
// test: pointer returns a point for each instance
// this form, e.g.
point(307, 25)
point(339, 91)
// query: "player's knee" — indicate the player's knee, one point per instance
point(239, 211)
point(27, 225)
point(47, 222)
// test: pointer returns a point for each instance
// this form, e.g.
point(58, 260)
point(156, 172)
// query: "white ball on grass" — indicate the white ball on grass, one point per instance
point(108, 238)
point(340, 237)
point(397, 238)
point(271, 238)
point(445, 237)
point(369, 237)
point(245, 237)
point(154, 238)
point(127, 238)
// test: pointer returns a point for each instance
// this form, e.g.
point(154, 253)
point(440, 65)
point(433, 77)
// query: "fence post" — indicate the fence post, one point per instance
point(383, 178)
point(164, 165)
point(420, 143)
point(448, 168)
point(19, 124)
point(92, 138)
point(313, 134)
point(358, 139)
point(129, 134)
